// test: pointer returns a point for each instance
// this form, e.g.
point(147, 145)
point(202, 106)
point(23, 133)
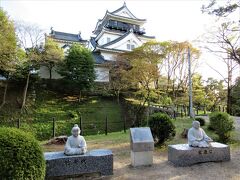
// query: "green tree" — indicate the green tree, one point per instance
point(198, 90)
point(215, 92)
point(236, 98)
point(8, 45)
point(8, 50)
point(78, 67)
point(30, 37)
point(176, 65)
point(141, 71)
point(51, 55)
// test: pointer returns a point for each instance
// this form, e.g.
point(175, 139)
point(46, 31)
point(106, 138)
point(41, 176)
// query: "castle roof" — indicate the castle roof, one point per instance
point(66, 36)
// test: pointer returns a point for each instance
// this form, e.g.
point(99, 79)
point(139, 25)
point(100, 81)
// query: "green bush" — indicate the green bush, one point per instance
point(201, 120)
point(21, 156)
point(222, 124)
point(162, 127)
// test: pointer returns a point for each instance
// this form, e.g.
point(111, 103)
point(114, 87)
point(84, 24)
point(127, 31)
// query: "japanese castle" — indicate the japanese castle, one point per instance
point(118, 31)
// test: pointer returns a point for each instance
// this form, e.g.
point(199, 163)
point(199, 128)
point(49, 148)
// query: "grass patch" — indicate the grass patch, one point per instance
point(67, 111)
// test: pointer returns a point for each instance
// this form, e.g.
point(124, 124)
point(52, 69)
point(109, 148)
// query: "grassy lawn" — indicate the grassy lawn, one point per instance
point(67, 111)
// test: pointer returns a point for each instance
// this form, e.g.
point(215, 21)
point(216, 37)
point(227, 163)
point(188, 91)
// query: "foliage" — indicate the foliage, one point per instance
point(215, 92)
point(51, 55)
point(21, 156)
point(175, 65)
point(140, 70)
point(236, 98)
point(78, 67)
point(38, 119)
point(220, 10)
point(162, 127)
point(201, 120)
point(222, 124)
point(198, 90)
point(8, 45)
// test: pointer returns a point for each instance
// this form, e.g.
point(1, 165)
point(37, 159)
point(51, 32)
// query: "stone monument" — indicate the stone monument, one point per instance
point(142, 146)
point(200, 148)
point(197, 136)
point(76, 161)
point(75, 144)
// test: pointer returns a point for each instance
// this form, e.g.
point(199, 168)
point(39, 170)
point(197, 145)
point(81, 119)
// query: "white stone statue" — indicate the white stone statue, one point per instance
point(197, 136)
point(75, 144)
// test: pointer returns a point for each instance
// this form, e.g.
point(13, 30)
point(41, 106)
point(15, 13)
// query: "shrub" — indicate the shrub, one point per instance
point(201, 120)
point(222, 124)
point(162, 127)
point(21, 156)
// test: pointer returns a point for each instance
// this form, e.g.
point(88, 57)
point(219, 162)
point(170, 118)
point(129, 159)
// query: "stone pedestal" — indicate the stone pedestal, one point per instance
point(184, 155)
point(142, 146)
point(95, 161)
point(141, 158)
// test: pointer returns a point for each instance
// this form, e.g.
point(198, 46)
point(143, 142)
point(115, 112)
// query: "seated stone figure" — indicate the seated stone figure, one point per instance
point(75, 144)
point(197, 136)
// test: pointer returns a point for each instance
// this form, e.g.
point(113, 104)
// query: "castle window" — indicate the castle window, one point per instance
point(129, 46)
point(108, 39)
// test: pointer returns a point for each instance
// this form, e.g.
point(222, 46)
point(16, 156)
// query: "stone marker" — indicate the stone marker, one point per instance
point(185, 155)
point(142, 146)
point(95, 161)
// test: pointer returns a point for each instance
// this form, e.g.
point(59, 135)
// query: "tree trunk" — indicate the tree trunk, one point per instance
point(25, 91)
point(118, 94)
point(4, 95)
point(50, 73)
point(229, 105)
point(80, 96)
point(229, 86)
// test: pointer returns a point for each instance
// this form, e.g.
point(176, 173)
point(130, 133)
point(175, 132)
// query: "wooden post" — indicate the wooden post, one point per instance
point(124, 124)
point(182, 111)
point(106, 126)
point(185, 111)
point(53, 127)
point(81, 126)
point(18, 123)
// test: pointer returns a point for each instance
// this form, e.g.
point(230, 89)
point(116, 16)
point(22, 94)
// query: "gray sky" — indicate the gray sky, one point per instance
point(178, 20)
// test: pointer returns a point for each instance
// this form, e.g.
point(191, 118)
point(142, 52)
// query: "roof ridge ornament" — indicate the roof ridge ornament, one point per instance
point(124, 4)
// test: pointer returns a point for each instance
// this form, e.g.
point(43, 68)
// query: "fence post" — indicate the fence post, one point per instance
point(182, 111)
point(18, 123)
point(174, 114)
point(81, 126)
point(185, 111)
point(106, 126)
point(53, 126)
point(124, 124)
